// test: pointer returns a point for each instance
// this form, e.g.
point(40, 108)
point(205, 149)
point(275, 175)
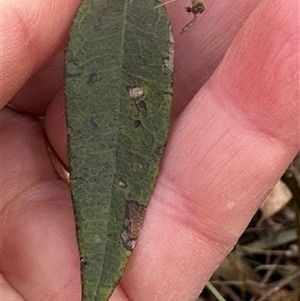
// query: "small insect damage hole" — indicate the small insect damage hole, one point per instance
point(132, 224)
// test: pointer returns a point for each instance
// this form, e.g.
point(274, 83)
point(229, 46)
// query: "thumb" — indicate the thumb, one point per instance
point(31, 32)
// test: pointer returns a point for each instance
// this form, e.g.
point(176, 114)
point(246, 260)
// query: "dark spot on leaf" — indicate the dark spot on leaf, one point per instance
point(73, 75)
point(137, 123)
point(142, 105)
point(94, 123)
point(132, 224)
point(84, 261)
point(93, 77)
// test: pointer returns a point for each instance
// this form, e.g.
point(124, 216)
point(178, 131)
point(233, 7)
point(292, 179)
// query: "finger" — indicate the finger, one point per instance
point(55, 126)
point(200, 49)
point(38, 250)
point(35, 96)
point(7, 292)
point(31, 33)
point(226, 151)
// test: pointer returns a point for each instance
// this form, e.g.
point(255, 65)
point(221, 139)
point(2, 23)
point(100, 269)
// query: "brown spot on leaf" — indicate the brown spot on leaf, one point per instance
point(132, 224)
point(137, 123)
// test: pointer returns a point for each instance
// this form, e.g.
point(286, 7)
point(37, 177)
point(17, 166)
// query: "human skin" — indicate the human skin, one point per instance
point(235, 129)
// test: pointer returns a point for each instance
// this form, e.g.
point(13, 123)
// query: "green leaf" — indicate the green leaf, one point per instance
point(118, 99)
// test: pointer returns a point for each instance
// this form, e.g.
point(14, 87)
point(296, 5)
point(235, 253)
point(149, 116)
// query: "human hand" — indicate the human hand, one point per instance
point(226, 150)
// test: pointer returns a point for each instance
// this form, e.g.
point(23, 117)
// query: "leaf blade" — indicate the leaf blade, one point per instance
point(117, 134)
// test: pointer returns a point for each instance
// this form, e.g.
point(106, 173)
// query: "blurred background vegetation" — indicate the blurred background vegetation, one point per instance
point(265, 263)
